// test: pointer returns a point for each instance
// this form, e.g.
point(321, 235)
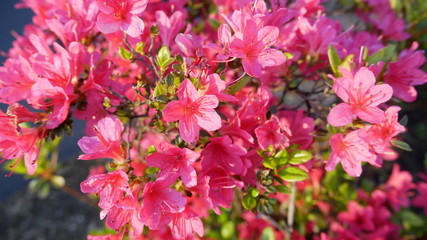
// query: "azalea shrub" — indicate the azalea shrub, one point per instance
point(224, 119)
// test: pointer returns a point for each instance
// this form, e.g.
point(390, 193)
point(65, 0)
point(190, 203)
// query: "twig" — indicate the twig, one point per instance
point(81, 197)
point(291, 208)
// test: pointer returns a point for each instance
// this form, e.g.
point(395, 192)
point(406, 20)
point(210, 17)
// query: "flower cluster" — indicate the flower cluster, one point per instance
point(193, 110)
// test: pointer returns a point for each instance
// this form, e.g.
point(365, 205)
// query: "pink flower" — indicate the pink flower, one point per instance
point(110, 187)
point(169, 27)
point(380, 134)
point(361, 97)
point(107, 141)
point(357, 217)
point(273, 132)
point(123, 212)
point(159, 201)
point(44, 96)
point(192, 49)
point(222, 152)
point(185, 224)
point(176, 161)
point(351, 151)
point(121, 15)
point(398, 188)
point(404, 74)
point(221, 188)
point(420, 199)
point(253, 46)
point(318, 35)
point(193, 112)
point(214, 85)
point(301, 127)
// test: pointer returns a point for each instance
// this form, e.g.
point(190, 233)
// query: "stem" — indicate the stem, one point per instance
point(291, 208)
point(79, 196)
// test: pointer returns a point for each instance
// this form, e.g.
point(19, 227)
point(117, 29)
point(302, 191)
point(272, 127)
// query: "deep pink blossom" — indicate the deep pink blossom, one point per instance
point(107, 141)
point(169, 27)
point(253, 46)
point(273, 132)
point(420, 199)
point(403, 74)
point(186, 224)
point(301, 127)
point(398, 188)
point(193, 112)
point(214, 85)
point(361, 97)
point(109, 187)
point(350, 151)
point(222, 152)
point(175, 161)
point(159, 202)
point(121, 15)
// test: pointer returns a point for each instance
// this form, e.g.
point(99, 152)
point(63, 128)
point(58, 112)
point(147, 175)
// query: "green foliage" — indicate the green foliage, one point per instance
point(164, 58)
point(293, 174)
point(268, 234)
point(124, 53)
point(402, 145)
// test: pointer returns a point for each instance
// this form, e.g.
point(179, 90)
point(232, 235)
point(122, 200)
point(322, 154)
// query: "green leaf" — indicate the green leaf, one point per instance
point(404, 120)
point(267, 234)
point(249, 202)
point(254, 192)
point(293, 174)
point(384, 54)
point(159, 90)
point(346, 63)
point(124, 53)
point(283, 189)
point(334, 59)
point(239, 85)
point(270, 163)
point(289, 56)
point(164, 58)
point(140, 48)
point(282, 157)
point(402, 145)
point(227, 230)
point(300, 156)
point(151, 149)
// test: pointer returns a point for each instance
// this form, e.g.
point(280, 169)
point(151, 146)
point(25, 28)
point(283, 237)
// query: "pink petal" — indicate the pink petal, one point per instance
point(209, 120)
point(251, 66)
point(189, 129)
point(107, 23)
point(363, 80)
point(138, 6)
point(189, 176)
point(380, 94)
point(185, 44)
point(271, 57)
point(268, 35)
point(207, 102)
point(370, 114)
point(173, 111)
point(134, 28)
point(340, 115)
point(224, 34)
point(187, 93)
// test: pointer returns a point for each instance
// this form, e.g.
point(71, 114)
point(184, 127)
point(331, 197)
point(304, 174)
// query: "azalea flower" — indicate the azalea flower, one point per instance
point(107, 141)
point(222, 152)
point(253, 46)
point(350, 151)
point(361, 97)
point(121, 15)
point(193, 112)
point(176, 161)
point(159, 201)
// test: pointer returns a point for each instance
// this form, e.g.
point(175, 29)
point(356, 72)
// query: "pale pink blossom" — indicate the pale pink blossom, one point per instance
point(350, 151)
point(361, 98)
